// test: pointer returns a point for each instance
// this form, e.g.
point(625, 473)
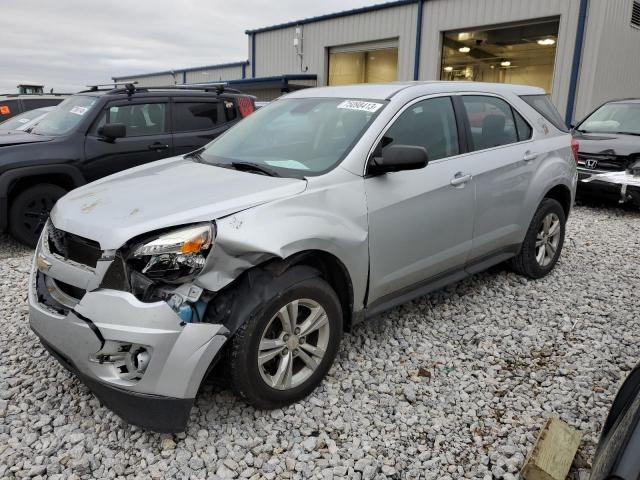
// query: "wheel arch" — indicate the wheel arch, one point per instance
point(562, 194)
point(17, 180)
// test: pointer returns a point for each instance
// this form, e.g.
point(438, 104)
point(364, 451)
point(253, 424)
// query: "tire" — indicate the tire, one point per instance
point(254, 383)
point(528, 261)
point(29, 211)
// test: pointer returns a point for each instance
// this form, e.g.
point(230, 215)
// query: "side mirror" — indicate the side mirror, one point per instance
point(396, 158)
point(111, 131)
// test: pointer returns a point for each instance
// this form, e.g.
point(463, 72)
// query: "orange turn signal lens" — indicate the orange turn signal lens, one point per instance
point(195, 244)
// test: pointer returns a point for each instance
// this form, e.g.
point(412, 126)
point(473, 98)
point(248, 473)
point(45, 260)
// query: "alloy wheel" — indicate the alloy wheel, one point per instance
point(293, 344)
point(548, 239)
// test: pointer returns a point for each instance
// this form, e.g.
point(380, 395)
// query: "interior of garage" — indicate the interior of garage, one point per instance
point(521, 53)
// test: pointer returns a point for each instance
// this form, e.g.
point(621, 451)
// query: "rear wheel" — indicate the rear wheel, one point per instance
point(30, 210)
point(282, 353)
point(543, 243)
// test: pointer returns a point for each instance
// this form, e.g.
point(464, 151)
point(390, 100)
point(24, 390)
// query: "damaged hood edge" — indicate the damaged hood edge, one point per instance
point(164, 194)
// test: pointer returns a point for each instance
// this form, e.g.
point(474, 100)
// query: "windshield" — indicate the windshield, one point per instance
point(65, 116)
point(613, 118)
point(295, 137)
point(19, 121)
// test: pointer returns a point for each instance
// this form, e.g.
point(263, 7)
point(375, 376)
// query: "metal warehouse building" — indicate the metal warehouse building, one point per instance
point(582, 52)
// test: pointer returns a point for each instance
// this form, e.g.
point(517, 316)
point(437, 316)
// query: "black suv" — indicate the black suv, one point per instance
point(12, 104)
point(99, 132)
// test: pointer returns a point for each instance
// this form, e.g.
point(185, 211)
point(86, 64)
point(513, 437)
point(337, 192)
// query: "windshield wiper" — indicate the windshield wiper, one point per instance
point(254, 167)
point(628, 133)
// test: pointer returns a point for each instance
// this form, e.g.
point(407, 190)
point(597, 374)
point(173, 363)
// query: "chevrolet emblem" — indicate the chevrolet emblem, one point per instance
point(42, 264)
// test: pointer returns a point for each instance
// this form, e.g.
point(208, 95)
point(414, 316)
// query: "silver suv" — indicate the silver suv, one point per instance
point(324, 208)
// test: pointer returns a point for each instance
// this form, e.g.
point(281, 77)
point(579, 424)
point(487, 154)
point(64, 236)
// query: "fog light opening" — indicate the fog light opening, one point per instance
point(141, 359)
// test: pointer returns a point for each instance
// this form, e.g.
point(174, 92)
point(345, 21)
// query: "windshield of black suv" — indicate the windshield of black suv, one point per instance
point(295, 137)
point(65, 116)
point(613, 118)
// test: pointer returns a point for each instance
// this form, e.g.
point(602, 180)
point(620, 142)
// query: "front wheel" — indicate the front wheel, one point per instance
point(30, 210)
point(283, 352)
point(543, 242)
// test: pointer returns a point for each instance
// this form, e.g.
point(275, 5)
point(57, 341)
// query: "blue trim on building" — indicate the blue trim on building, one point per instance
point(183, 70)
point(244, 70)
point(329, 16)
point(274, 81)
point(416, 61)
point(253, 56)
point(575, 64)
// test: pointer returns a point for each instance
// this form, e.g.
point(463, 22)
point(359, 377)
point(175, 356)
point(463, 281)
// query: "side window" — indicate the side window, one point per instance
point(429, 123)
point(491, 121)
point(188, 117)
point(523, 128)
point(140, 119)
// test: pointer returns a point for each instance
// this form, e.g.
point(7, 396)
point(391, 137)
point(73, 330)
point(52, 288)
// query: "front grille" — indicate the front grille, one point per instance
point(73, 247)
point(602, 162)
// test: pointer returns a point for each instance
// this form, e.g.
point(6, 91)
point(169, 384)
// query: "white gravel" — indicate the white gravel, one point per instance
point(453, 385)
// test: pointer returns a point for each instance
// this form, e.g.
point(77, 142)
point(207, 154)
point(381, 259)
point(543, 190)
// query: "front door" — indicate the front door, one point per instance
point(148, 137)
point(421, 221)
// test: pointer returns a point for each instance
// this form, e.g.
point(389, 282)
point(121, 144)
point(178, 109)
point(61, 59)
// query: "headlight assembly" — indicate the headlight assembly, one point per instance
point(174, 255)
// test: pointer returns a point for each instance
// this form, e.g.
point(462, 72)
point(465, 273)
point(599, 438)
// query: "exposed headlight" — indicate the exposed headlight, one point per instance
point(176, 254)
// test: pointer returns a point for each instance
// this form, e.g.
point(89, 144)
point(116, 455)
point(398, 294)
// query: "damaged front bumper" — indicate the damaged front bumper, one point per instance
point(138, 358)
point(622, 185)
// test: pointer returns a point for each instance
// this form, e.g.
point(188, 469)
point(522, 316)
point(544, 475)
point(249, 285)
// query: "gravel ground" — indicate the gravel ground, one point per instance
point(453, 385)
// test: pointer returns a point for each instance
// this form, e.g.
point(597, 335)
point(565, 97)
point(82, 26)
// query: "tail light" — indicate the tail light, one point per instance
point(245, 105)
point(5, 110)
point(575, 147)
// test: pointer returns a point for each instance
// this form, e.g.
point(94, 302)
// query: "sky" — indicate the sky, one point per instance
point(68, 44)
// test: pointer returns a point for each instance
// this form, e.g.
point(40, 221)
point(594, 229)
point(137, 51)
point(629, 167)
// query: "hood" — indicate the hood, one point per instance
point(608, 143)
point(17, 137)
point(162, 194)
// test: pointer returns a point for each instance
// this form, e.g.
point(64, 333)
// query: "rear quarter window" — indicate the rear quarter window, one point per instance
point(543, 105)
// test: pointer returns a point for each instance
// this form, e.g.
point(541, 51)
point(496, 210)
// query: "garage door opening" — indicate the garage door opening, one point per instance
point(374, 64)
point(523, 53)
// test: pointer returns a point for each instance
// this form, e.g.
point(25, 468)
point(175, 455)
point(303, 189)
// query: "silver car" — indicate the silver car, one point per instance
point(324, 208)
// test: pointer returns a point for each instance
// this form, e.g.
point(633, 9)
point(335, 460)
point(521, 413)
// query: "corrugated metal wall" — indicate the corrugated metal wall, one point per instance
point(276, 55)
point(215, 74)
point(443, 15)
point(611, 56)
point(160, 80)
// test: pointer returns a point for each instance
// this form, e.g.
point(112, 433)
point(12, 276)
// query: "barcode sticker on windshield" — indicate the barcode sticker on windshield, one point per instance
point(360, 105)
point(78, 110)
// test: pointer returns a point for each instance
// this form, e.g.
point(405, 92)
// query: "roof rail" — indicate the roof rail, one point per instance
point(210, 87)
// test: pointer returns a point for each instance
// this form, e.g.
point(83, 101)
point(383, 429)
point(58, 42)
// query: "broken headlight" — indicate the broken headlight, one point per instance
point(176, 255)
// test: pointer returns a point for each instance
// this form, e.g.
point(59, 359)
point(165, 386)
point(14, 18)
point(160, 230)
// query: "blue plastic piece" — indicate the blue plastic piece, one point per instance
point(185, 313)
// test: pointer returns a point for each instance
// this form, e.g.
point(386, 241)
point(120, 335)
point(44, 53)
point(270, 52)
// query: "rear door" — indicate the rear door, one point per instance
point(148, 137)
point(196, 121)
point(505, 159)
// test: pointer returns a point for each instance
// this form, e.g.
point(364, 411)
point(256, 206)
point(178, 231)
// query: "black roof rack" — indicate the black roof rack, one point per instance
point(130, 88)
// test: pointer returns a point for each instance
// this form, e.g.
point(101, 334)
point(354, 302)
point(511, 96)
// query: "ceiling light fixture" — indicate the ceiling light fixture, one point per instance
point(464, 49)
point(505, 63)
point(448, 69)
point(546, 41)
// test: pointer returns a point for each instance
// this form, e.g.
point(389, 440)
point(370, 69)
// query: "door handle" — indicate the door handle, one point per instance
point(157, 146)
point(460, 179)
point(528, 156)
